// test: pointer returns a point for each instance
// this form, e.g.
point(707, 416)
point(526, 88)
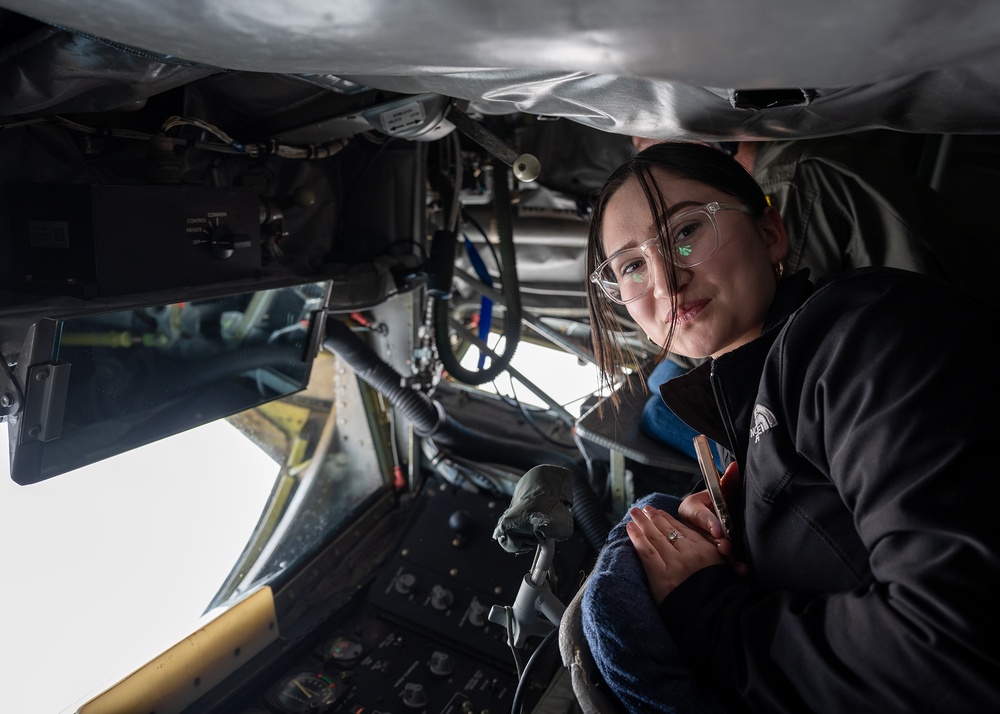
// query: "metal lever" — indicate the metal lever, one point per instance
point(525, 166)
point(533, 597)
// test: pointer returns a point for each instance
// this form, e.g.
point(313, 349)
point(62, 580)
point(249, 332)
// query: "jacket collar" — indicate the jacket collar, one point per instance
point(729, 383)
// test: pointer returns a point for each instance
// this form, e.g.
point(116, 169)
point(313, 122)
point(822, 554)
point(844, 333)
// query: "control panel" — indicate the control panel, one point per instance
point(370, 665)
point(420, 640)
point(101, 240)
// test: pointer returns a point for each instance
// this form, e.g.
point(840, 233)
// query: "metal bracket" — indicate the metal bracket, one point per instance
point(622, 488)
point(10, 393)
point(525, 166)
point(44, 402)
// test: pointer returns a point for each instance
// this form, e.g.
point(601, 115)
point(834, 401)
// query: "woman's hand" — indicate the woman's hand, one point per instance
point(669, 550)
point(697, 511)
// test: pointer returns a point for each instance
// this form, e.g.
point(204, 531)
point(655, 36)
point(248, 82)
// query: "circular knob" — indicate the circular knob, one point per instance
point(441, 598)
point(405, 583)
point(477, 613)
point(461, 522)
point(414, 695)
point(526, 168)
point(441, 664)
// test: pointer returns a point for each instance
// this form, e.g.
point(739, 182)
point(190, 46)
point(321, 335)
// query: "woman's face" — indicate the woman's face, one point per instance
point(721, 303)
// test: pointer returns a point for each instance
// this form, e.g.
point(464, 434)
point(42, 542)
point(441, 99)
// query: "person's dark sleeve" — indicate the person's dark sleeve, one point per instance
point(860, 216)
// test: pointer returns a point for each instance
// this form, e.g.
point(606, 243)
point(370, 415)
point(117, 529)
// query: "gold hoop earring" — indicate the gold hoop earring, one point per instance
point(779, 270)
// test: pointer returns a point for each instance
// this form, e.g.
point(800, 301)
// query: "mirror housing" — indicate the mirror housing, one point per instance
point(97, 384)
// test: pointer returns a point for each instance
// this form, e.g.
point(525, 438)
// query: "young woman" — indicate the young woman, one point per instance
point(860, 420)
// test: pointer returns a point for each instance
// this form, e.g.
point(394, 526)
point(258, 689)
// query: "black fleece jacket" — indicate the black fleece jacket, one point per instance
point(864, 424)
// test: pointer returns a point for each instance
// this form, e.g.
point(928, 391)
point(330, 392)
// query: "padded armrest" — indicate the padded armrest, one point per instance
point(591, 693)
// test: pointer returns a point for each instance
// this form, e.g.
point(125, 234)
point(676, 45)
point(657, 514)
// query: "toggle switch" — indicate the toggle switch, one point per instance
point(223, 242)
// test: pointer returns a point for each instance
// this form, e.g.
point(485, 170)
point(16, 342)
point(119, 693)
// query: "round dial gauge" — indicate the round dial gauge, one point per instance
point(304, 692)
point(345, 650)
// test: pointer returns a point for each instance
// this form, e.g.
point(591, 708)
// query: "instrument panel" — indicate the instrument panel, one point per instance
point(420, 639)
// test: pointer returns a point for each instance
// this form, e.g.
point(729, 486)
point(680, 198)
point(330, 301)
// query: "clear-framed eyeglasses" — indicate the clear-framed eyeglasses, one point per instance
point(692, 237)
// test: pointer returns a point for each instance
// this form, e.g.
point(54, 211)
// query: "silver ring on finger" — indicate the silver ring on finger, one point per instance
point(673, 535)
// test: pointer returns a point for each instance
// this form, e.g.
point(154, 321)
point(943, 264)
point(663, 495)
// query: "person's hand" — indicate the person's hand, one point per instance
point(697, 511)
point(669, 550)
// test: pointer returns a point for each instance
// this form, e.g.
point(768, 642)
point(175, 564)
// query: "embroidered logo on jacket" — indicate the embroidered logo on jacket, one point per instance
point(763, 419)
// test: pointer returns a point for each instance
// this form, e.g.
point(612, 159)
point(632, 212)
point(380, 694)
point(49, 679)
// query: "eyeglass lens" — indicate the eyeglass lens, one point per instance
point(626, 275)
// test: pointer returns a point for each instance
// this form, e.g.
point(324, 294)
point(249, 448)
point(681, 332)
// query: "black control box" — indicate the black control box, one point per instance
point(100, 240)
point(449, 573)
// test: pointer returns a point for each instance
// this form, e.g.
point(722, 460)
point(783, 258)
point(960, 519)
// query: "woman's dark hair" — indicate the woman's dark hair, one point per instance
point(697, 162)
